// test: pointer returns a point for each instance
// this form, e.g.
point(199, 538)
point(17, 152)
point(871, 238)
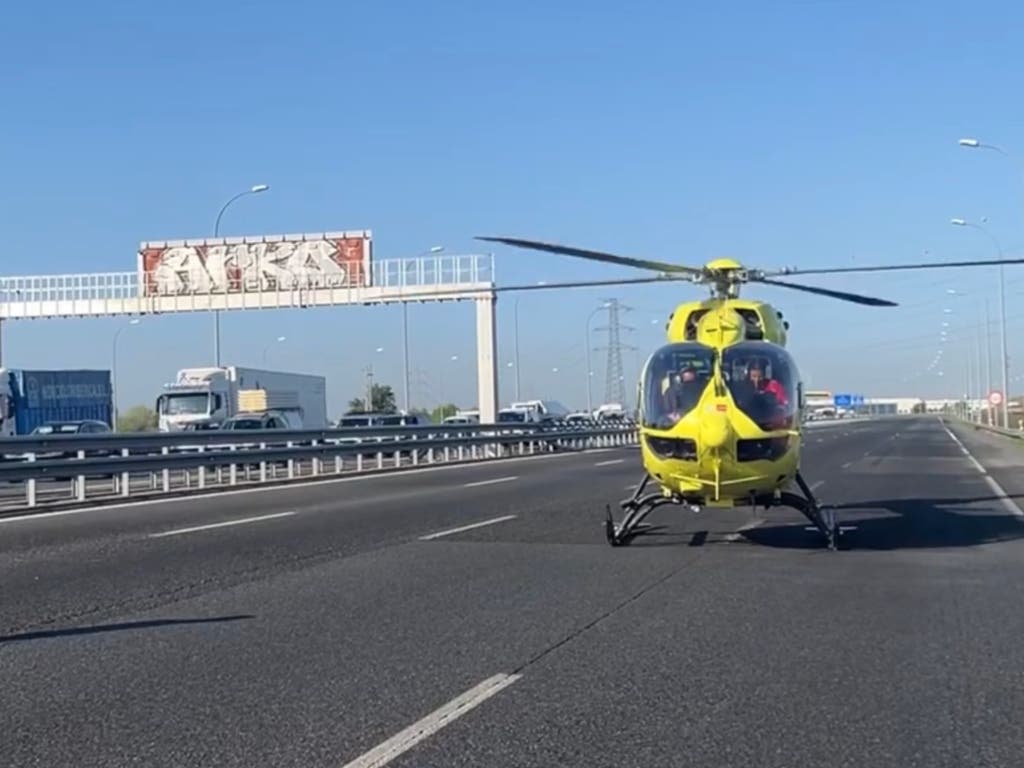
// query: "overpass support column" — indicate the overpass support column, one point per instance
point(486, 360)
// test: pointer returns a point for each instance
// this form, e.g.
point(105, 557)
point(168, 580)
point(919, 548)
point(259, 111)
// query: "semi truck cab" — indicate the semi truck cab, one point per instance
point(199, 398)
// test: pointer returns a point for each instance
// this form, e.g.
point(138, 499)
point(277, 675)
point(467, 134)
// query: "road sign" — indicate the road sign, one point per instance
point(858, 399)
point(995, 397)
point(842, 401)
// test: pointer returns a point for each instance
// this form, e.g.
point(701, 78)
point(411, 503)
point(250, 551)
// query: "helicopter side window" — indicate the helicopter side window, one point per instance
point(763, 380)
point(673, 383)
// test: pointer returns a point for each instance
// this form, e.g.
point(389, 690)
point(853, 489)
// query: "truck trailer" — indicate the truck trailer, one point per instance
point(204, 398)
point(31, 398)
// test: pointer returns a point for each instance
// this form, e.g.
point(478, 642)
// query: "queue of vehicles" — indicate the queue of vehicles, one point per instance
point(223, 398)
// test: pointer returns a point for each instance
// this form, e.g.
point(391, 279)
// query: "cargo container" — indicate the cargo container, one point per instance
point(31, 398)
point(204, 398)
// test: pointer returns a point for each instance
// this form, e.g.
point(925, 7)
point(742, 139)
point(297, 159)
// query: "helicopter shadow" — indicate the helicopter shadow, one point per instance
point(890, 524)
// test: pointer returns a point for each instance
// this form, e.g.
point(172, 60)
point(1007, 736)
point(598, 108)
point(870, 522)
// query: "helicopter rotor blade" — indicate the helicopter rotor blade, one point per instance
point(854, 297)
point(893, 267)
point(609, 258)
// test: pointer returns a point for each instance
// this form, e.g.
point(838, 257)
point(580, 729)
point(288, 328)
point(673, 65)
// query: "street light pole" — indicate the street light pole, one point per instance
point(278, 340)
point(973, 143)
point(113, 372)
point(515, 304)
point(1004, 358)
point(254, 190)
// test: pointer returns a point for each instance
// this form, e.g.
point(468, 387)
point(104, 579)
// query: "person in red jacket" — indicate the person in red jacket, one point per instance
point(769, 386)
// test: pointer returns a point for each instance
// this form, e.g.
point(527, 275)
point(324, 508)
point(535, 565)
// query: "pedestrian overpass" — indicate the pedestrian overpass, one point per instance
point(433, 278)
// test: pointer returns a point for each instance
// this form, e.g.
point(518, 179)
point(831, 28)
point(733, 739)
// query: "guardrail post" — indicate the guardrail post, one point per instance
point(339, 463)
point(380, 459)
point(314, 464)
point(126, 477)
point(166, 473)
point(80, 481)
point(233, 469)
point(30, 486)
point(359, 462)
point(201, 473)
point(291, 463)
point(263, 465)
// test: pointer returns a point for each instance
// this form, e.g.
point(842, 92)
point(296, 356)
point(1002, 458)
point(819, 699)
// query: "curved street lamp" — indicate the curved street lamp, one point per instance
point(253, 190)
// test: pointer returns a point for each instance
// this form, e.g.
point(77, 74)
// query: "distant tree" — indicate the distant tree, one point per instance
point(137, 419)
point(382, 400)
point(918, 408)
point(442, 412)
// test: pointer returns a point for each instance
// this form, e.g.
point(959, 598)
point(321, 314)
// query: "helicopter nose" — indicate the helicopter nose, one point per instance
point(714, 429)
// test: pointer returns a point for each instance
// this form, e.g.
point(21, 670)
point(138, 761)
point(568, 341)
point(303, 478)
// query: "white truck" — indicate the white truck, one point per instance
point(204, 398)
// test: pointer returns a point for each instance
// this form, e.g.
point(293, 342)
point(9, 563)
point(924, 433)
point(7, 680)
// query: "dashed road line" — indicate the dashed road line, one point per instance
point(609, 462)
point(241, 521)
point(492, 481)
point(406, 739)
point(471, 526)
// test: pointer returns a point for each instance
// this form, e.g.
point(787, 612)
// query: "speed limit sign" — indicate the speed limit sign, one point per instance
point(995, 397)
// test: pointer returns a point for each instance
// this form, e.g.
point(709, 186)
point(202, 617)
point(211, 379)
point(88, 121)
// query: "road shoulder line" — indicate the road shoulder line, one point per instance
point(1004, 498)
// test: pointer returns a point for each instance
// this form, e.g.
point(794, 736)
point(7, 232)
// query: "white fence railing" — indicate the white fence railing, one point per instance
point(44, 471)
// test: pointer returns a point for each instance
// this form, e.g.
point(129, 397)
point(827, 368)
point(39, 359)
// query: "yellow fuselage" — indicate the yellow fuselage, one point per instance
point(716, 475)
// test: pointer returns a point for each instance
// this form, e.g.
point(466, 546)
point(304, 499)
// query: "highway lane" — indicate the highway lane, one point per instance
point(749, 647)
point(62, 567)
point(101, 561)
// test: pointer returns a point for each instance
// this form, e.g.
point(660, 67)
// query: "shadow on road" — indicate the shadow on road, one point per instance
point(902, 524)
point(120, 627)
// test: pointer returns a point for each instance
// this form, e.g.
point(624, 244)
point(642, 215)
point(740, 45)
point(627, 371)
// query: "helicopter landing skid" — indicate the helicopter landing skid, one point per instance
point(639, 505)
point(822, 518)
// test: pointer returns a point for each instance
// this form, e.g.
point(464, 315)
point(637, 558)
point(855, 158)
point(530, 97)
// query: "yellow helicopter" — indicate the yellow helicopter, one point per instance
point(721, 405)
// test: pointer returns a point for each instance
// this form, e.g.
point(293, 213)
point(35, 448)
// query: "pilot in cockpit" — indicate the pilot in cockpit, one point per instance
point(683, 390)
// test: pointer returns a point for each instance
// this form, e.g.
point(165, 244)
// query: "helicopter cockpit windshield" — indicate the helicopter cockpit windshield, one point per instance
point(674, 380)
point(764, 382)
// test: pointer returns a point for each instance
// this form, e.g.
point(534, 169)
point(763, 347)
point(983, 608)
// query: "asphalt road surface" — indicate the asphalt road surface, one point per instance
point(352, 624)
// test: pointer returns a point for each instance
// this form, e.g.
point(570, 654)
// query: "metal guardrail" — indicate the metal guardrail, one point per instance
point(1015, 434)
point(181, 462)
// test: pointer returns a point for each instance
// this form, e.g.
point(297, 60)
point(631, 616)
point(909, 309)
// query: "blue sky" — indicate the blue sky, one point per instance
point(790, 133)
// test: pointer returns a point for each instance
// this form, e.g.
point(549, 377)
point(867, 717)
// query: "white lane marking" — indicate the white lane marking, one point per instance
point(847, 464)
point(738, 533)
point(241, 521)
point(817, 484)
point(469, 527)
point(1004, 498)
point(609, 462)
point(492, 481)
point(432, 723)
point(288, 487)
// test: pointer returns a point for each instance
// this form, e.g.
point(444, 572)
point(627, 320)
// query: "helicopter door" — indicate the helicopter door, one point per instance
point(763, 380)
point(673, 383)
